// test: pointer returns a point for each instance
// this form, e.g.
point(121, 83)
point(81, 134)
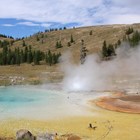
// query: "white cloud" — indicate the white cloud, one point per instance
point(27, 23)
point(45, 25)
point(128, 3)
point(8, 25)
point(87, 12)
point(127, 18)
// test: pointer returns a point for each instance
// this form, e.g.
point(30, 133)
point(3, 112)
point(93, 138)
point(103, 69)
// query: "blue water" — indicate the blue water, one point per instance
point(21, 96)
point(36, 102)
point(29, 102)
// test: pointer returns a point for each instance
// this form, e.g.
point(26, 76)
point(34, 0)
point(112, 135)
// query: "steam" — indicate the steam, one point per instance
point(95, 74)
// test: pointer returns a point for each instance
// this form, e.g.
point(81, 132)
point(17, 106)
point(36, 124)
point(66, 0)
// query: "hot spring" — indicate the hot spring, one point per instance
point(41, 102)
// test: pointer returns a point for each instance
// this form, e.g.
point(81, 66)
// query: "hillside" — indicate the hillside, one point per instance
point(93, 40)
point(46, 41)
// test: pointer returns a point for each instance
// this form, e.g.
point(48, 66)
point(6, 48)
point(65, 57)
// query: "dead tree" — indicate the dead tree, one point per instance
point(83, 53)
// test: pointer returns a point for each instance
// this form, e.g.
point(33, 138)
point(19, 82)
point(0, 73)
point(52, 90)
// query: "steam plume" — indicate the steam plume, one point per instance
point(95, 74)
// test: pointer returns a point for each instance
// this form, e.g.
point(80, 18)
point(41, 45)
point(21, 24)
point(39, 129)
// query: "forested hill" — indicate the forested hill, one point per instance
point(48, 46)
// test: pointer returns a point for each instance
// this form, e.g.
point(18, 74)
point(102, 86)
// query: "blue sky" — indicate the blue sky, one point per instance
point(20, 18)
point(22, 28)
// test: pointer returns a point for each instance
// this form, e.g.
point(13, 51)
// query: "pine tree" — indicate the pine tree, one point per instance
point(4, 55)
point(83, 52)
point(134, 41)
point(90, 33)
point(37, 38)
point(9, 56)
point(36, 58)
point(46, 58)
point(129, 31)
point(29, 57)
point(108, 51)
point(55, 59)
point(17, 56)
point(17, 59)
point(50, 60)
point(23, 43)
point(12, 61)
point(25, 53)
point(22, 58)
point(104, 50)
point(71, 39)
point(111, 50)
point(58, 45)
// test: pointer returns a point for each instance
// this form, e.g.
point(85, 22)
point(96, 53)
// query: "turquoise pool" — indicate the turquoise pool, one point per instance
point(37, 102)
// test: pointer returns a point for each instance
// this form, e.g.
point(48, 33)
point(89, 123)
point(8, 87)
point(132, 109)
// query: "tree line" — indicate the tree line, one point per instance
point(108, 50)
point(5, 36)
point(27, 55)
point(133, 39)
point(55, 29)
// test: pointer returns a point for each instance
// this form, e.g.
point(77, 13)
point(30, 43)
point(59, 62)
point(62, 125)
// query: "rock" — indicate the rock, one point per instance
point(27, 135)
point(74, 137)
point(70, 137)
point(24, 134)
point(47, 136)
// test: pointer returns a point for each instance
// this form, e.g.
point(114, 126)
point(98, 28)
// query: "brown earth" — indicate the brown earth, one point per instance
point(33, 74)
point(29, 74)
point(125, 103)
point(7, 138)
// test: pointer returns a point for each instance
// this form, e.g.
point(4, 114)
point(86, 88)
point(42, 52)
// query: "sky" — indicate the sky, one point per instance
point(21, 18)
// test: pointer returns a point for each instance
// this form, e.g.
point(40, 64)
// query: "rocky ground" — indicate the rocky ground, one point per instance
point(28, 74)
point(24, 134)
